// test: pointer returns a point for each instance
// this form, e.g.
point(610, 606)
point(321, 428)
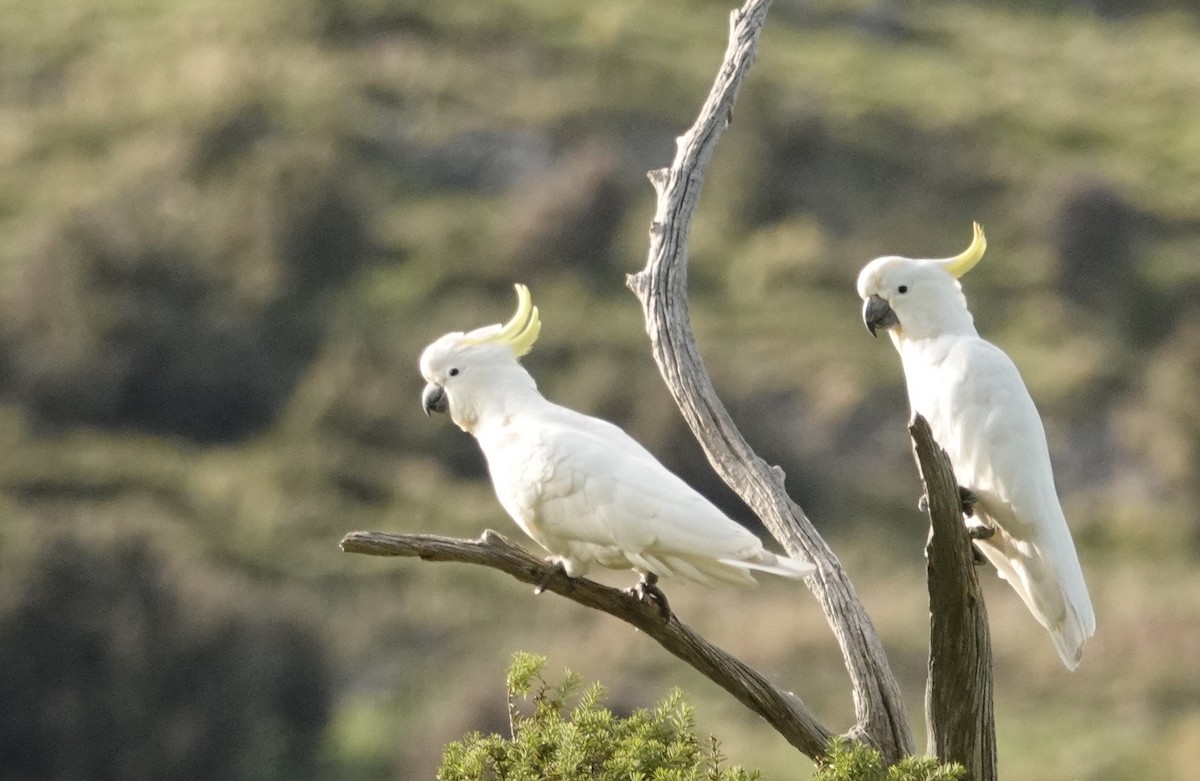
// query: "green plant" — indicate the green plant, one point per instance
point(551, 741)
point(853, 761)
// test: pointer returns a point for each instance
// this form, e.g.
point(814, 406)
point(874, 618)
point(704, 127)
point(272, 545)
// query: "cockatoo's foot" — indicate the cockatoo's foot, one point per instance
point(968, 500)
point(980, 531)
point(647, 590)
point(552, 574)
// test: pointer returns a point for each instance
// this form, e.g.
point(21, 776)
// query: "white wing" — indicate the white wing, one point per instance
point(587, 492)
point(982, 415)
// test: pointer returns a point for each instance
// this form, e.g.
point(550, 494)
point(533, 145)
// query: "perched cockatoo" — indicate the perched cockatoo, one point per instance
point(582, 488)
point(982, 415)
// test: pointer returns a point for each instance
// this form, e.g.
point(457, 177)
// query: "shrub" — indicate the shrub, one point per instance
point(853, 761)
point(550, 742)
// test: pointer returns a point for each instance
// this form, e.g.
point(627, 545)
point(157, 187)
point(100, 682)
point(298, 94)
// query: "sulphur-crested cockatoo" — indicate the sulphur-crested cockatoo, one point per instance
point(982, 415)
point(582, 488)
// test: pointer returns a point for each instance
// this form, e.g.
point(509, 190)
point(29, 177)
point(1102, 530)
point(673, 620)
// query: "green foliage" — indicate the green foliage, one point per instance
point(111, 671)
point(853, 761)
point(552, 740)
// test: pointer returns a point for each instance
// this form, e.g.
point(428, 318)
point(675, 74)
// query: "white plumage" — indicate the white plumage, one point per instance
point(981, 413)
point(582, 488)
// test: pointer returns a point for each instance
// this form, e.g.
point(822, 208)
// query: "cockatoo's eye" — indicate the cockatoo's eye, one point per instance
point(902, 289)
point(453, 372)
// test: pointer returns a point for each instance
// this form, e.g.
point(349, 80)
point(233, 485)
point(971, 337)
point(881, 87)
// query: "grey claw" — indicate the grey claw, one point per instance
point(552, 574)
point(966, 498)
point(647, 590)
point(979, 531)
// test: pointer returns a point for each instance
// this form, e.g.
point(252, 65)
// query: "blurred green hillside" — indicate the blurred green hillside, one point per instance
point(229, 228)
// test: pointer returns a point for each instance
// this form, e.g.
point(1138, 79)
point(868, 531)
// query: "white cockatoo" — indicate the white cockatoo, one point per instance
point(981, 413)
point(582, 488)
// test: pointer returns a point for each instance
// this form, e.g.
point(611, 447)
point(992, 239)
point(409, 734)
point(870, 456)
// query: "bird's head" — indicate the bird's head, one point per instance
point(463, 369)
point(918, 299)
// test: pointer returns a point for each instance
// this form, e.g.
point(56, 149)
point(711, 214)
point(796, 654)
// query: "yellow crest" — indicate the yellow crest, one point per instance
point(961, 264)
point(519, 333)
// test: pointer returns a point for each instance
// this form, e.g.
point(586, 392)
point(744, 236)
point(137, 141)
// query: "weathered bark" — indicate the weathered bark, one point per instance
point(958, 697)
point(783, 710)
point(661, 286)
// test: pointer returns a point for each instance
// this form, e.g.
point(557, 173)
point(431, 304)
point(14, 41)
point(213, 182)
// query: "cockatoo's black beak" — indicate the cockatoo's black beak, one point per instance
point(878, 313)
point(434, 399)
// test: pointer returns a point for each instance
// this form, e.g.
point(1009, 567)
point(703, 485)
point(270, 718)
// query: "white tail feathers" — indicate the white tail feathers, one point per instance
point(697, 569)
point(712, 572)
point(1069, 636)
point(766, 561)
point(1045, 595)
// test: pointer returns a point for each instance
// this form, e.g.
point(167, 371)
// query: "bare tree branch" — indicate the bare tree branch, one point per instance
point(784, 710)
point(958, 698)
point(662, 288)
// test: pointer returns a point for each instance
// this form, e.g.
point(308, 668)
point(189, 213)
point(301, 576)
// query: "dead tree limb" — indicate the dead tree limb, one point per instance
point(783, 710)
point(958, 697)
point(883, 723)
point(662, 288)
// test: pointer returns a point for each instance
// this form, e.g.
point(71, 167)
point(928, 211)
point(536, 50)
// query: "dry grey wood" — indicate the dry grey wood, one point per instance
point(959, 709)
point(959, 716)
point(785, 712)
point(881, 717)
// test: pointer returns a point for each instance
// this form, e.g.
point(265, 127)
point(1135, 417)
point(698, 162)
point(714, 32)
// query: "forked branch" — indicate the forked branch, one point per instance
point(662, 288)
